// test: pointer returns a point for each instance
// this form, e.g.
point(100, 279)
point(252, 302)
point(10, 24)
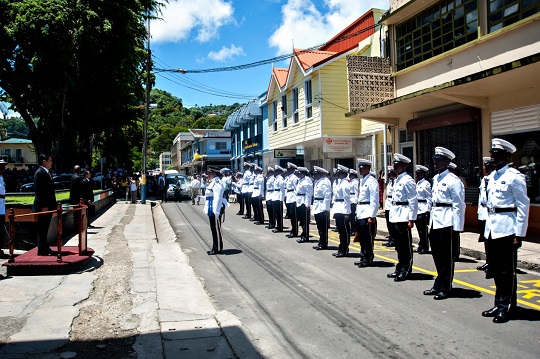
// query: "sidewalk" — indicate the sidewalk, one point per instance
point(169, 311)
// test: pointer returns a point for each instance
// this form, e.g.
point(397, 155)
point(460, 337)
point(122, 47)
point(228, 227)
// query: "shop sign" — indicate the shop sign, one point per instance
point(337, 144)
point(284, 153)
point(252, 144)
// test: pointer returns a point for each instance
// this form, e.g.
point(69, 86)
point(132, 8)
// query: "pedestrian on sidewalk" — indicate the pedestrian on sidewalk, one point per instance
point(482, 206)
point(402, 216)
point(423, 188)
point(366, 212)
point(342, 210)
point(195, 185)
point(447, 215)
point(162, 190)
point(132, 189)
point(506, 227)
point(322, 197)
point(214, 207)
point(45, 200)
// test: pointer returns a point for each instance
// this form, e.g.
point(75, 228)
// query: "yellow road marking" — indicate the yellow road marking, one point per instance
point(457, 281)
point(466, 270)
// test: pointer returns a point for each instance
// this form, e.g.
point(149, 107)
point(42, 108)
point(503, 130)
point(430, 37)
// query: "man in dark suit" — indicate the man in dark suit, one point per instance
point(87, 194)
point(45, 200)
point(75, 186)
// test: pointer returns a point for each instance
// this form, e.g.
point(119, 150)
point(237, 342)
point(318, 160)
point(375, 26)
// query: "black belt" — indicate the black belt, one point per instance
point(2, 196)
point(388, 196)
point(482, 204)
point(339, 200)
point(255, 187)
point(400, 203)
point(290, 190)
point(318, 199)
point(422, 200)
point(364, 202)
point(352, 193)
point(443, 204)
point(502, 210)
point(300, 194)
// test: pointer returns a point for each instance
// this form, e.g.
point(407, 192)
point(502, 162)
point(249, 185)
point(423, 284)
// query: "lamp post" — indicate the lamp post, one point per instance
point(146, 115)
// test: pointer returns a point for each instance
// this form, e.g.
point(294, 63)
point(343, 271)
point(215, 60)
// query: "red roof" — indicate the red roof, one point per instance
point(280, 75)
point(308, 58)
point(360, 29)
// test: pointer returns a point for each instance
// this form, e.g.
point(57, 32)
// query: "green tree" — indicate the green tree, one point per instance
point(74, 71)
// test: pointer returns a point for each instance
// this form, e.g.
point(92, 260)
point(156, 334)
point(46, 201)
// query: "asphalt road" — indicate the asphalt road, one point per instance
point(300, 303)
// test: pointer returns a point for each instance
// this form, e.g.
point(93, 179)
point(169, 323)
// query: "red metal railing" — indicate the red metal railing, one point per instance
point(81, 211)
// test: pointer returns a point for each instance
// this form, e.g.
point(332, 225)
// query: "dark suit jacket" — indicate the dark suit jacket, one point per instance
point(75, 189)
point(44, 190)
point(87, 192)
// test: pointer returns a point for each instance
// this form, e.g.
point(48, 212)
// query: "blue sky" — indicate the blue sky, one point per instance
point(207, 34)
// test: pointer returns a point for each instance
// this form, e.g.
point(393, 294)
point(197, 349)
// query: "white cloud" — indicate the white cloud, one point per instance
point(181, 18)
point(226, 53)
point(308, 26)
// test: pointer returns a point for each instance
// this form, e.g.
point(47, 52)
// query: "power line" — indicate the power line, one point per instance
point(267, 61)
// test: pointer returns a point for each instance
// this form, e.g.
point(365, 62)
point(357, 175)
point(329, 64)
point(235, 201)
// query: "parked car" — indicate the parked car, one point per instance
point(27, 187)
point(61, 182)
point(177, 191)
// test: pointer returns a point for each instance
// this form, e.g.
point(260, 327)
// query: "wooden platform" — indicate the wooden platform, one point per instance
point(30, 263)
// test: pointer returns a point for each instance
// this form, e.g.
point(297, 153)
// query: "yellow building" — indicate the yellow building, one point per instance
point(19, 153)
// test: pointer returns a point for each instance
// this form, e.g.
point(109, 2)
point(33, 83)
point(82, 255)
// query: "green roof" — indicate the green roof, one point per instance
point(16, 140)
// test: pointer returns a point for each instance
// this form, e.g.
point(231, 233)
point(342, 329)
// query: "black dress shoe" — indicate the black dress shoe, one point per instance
point(277, 230)
point(291, 235)
point(237, 213)
point(392, 275)
point(363, 264)
point(302, 240)
point(482, 267)
point(501, 317)
point(491, 312)
point(257, 223)
point(335, 254)
point(431, 291)
point(422, 251)
point(252, 220)
point(213, 252)
point(246, 217)
point(389, 244)
point(340, 255)
point(400, 277)
point(269, 227)
point(319, 247)
point(440, 296)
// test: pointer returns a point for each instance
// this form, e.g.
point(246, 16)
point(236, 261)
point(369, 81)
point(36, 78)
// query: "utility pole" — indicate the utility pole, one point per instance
point(146, 113)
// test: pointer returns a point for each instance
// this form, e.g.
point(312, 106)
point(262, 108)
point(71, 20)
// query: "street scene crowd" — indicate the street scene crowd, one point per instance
point(436, 208)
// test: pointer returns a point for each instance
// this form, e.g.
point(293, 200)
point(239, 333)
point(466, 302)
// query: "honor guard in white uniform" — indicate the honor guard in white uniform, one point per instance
point(304, 194)
point(246, 194)
point(342, 210)
point(423, 189)
point(366, 212)
point(322, 196)
point(353, 181)
point(402, 216)
point(456, 239)
point(390, 179)
point(2, 205)
point(290, 199)
point(482, 204)
point(237, 187)
point(214, 207)
point(447, 215)
point(280, 192)
point(270, 180)
point(257, 195)
point(506, 226)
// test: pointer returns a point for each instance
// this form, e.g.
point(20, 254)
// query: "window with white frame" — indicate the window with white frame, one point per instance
point(221, 145)
point(284, 111)
point(296, 114)
point(274, 115)
point(309, 99)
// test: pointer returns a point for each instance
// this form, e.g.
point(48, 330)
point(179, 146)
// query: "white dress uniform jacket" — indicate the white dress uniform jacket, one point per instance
point(448, 189)
point(258, 186)
point(322, 195)
point(342, 197)
point(482, 200)
point(270, 180)
point(354, 190)
point(246, 180)
point(388, 199)
point(214, 197)
point(404, 192)
point(304, 192)
point(291, 182)
point(368, 198)
point(423, 189)
point(507, 188)
point(3, 194)
point(279, 188)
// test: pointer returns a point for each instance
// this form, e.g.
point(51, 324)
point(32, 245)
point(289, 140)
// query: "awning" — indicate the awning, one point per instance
point(473, 90)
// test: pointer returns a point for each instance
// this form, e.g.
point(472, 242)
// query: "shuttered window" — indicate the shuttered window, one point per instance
point(516, 120)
